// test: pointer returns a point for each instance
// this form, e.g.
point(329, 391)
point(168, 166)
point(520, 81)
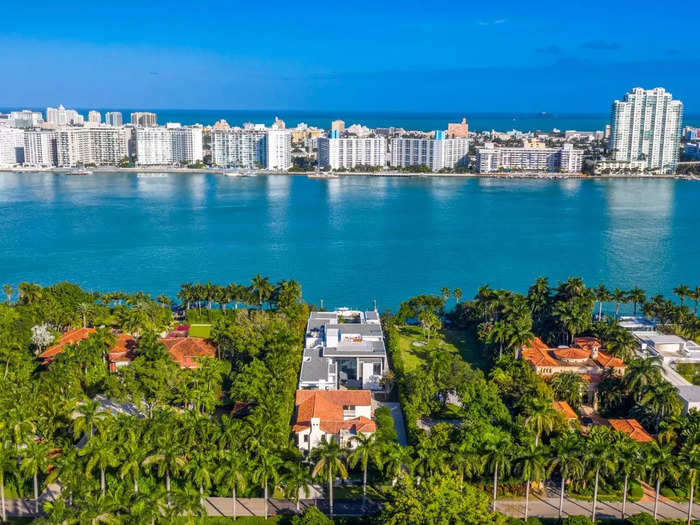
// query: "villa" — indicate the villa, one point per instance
point(668, 347)
point(343, 349)
point(632, 428)
point(584, 357)
point(69, 338)
point(332, 414)
point(186, 350)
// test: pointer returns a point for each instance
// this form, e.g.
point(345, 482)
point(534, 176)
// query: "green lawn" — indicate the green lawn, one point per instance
point(458, 341)
point(200, 330)
point(690, 371)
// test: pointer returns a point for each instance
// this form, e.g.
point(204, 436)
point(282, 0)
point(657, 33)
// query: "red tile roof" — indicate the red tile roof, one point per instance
point(572, 353)
point(606, 360)
point(327, 405)
point(186, 350)
point(632, 428)
point(565, 409)
point(538, 353)
point(69, 338)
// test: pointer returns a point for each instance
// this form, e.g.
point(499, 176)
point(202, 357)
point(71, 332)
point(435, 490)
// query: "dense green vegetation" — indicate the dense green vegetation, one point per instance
point(481, 423)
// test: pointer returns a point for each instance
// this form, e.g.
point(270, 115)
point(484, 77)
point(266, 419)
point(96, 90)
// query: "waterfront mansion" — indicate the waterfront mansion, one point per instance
point(343, 349)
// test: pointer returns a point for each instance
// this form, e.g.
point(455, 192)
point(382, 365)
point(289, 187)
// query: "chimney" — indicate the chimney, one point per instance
point(594, 350)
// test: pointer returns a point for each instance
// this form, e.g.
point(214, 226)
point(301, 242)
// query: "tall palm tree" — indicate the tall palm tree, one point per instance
point(230, 472)
point(695, 296)
point(445, 291)
point(602, 294)
point(9, 292)
point(499, 455)
point(532, 462)
point(661, 399)
point(466, 460)
point(396, 459)
point(599, 457)
point(8, 464)
point(636, 296)
point(132, 455)
point(367, 448)
point(100, 452)
point(541, 418)
point(86, 417)
point(566, 458)
point(296, 478)
point(168, 457)
point(498, 335)
point(330, 460)
point(457, 294)
point(200, 469)
point(690, 459)
point(266, 469)
point(618, 297)
point(261, 287)
point(682, 291)
point(34, 461)
point(85, 309)
point(641, 373)
point(661, 465)
point(630, 463)
point(621, 344)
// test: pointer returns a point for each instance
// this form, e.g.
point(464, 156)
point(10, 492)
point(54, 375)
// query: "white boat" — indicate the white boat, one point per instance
point(82, 173)
point(240, 173)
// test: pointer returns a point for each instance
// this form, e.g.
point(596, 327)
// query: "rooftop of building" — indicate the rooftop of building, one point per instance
point(328, 407)
point(586, 351)
point(632, 428)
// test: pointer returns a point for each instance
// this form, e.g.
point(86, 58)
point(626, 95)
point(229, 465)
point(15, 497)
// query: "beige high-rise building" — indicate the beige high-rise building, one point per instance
point(94, 117)
point(144, 119)
point(458, 130)
point(338, 125)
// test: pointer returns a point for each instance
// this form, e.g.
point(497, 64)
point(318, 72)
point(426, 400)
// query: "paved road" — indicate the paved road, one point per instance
point(549, 508)
point(397, 414)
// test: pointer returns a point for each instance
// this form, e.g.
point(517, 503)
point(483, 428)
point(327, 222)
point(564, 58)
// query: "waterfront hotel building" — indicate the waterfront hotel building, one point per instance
point(492, 159)
point(646, 126)
point(350, 152)
point(438, 153)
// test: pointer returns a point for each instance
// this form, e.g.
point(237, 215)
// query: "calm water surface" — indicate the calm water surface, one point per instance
point(348, 240)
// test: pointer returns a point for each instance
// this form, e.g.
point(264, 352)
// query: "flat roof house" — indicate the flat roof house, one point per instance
point(338, 415)
point(343, 348)
point(668, 347)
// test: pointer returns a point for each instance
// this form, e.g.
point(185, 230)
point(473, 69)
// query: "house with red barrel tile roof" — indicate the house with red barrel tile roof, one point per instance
point(69, 338)
point(632, 428)
point(186, 350)
point(585, 357)
point(122, 353)
point(332, 414)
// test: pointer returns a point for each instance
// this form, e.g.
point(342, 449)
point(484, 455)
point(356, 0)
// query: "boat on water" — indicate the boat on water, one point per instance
point(240, 173)
point(151, 175)
point(81, 173)
point(323, 176)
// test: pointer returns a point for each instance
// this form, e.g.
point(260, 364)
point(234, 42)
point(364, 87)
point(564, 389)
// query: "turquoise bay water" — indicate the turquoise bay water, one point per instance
point(348, 240)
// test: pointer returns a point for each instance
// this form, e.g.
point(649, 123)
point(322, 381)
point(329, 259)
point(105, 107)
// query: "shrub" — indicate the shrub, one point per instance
point(667, 492)
point(312, 516)
point(642, 518)
point(385, 425)
point(635, 491)
point(576, 520)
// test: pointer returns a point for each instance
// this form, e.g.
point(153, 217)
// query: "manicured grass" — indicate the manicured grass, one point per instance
point(458, 341)
point(200, 330)
point(690, 371)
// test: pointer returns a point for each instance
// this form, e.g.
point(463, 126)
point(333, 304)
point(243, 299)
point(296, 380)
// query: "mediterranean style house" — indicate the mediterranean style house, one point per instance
point(332, 414)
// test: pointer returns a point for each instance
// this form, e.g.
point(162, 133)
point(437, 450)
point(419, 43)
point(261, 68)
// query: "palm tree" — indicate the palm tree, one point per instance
point(367, 449)
point(8, 464)
point(661, 464)
point(641, 373)
point(566, 457)
point(101, 454)
point(85, 309)
point(9, 292)
point(132, 456)
point(599, 457)
point(261, 287)
point(695, 296)
point(531, 463)
point(230, 472)
point(541, 418)
point(499, 454)
point(457, 294)
point(621, 344)
point(296, 478)
point(602, 294)
point(168, 457)
point(690, 459)
point(86, 417)
point(568, 386)
point(661, 399)
point(636, 296)
point(445, 291)
point(34, 460)
point(396, 459)
point(630, 463)
point(498, 335)
point(682, 291)
point(266, 470)
point(200, 470)
point(330, 460)
point(618, 297)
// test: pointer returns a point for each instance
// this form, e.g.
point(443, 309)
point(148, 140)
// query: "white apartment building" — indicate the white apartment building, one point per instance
point(350, 152)
point(144, 118)
point(11, 147)
point(94, 117)
point(278, 149)
point(159, 146)
point(491, 159)
point(25, 119)
point(439, 153)
point(646, 126)
point(239, 148)
point(113, 118)
point(64, 117)
point(99, 146)
point(40, 148)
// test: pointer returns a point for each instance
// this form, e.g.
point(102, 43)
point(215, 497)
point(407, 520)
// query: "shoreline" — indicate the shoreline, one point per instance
point(337, 175)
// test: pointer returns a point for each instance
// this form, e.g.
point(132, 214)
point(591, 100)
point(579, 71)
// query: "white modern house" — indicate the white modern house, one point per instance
point(343, 348)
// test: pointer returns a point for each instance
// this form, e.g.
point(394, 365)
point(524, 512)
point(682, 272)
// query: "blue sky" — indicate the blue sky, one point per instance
point(563, 56)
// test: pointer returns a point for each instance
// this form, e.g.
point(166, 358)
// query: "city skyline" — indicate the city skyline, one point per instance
point(505, 57)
